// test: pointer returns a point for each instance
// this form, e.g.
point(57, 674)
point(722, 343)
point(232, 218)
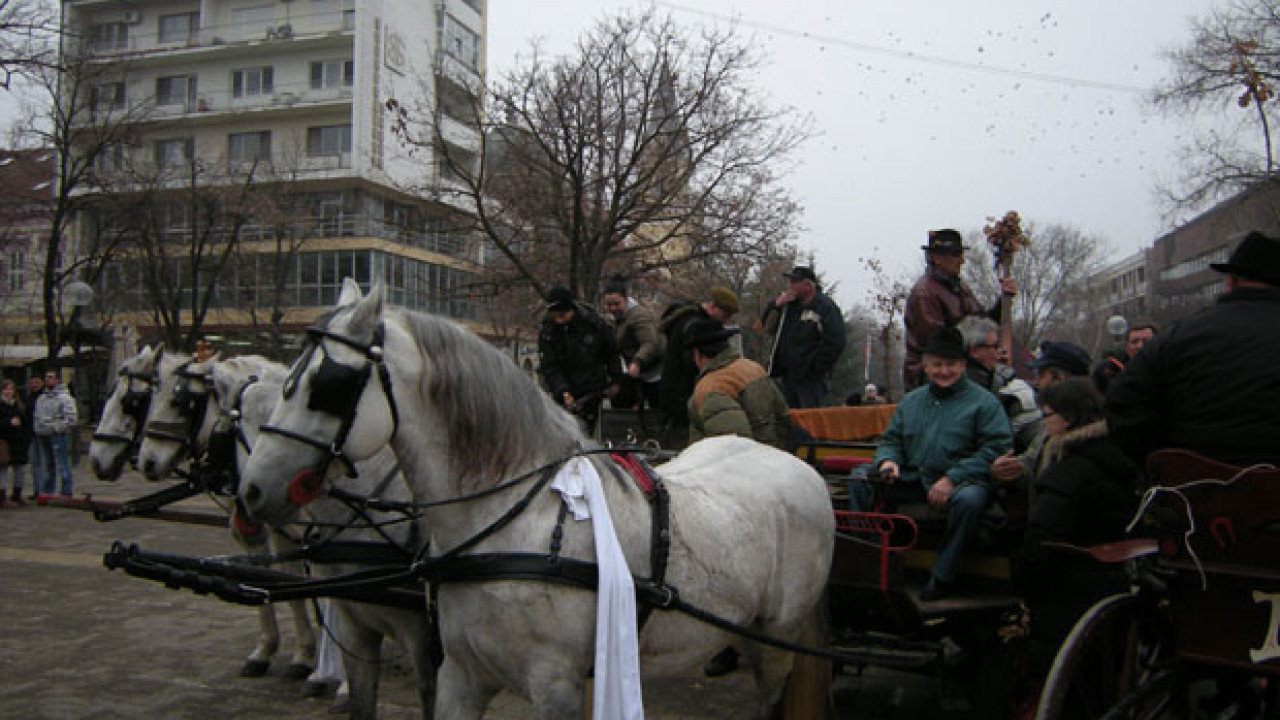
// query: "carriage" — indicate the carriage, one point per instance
point(877, 562)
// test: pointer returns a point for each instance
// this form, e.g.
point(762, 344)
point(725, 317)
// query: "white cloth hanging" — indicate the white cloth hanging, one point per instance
point(617, 664)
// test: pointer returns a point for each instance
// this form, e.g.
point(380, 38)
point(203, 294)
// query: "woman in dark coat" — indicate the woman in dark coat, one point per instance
point(13, 432)
point(1086, 495)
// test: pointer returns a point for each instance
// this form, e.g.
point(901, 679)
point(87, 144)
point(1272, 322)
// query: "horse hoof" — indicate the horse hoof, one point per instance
point(254, 668)
point(341, 706)
point(296, 672)
point(316, 688)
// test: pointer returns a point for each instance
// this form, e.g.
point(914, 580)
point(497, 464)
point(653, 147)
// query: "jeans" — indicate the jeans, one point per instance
point(54, 459)
point(964, 515)
point(35, 456)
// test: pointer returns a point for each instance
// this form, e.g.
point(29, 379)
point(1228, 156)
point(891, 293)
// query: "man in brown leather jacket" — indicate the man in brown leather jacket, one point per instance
point(941, 299)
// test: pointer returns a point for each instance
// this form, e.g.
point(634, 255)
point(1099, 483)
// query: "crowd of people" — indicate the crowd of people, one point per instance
point(37, 424)
point(1065, 449)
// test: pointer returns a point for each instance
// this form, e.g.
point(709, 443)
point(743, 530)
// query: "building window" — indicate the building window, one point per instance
point(333, 140)
point(180, 27)
point(460, 42)
point(252, 81)
point(107, 96)
point(109, 36)
point(176, 152)
point(248, 147)
point(109, 158)
point(176, 90)
point(252, 21)
point(332, 74)
point(17, 271)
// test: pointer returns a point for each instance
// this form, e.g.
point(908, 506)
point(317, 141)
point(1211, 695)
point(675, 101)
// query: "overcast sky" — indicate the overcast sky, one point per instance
point(940, 113)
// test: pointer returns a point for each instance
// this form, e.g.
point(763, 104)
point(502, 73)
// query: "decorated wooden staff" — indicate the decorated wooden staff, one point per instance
point(1006, 238)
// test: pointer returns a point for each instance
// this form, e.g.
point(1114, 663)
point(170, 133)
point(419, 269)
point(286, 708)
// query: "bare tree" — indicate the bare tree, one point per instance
point(886, 306)
point(28, 39)
point(644, 149)
point(1053, 274)
point(1229, 67)
point(79, 112)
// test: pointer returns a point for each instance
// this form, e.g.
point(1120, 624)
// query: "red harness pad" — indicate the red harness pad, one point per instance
point(636, 470)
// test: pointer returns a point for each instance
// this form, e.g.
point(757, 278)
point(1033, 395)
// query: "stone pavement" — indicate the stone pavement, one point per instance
point(78, 641)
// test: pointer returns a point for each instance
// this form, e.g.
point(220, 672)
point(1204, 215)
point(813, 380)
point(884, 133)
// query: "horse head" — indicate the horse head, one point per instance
point(124, 414)
point(177, 424)
point(312, 436)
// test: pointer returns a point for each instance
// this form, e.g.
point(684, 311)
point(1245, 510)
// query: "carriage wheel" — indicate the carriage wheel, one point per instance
point(1113, 664)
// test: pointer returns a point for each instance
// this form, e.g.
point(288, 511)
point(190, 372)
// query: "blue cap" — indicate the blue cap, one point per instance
point(1065, 356)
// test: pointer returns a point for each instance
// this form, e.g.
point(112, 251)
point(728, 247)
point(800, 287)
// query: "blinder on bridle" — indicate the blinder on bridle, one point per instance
point(336, 390)
point(135, 404)
point(217, 466)
point(190, 404)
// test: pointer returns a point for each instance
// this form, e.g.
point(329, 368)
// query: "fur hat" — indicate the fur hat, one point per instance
point(725, 299)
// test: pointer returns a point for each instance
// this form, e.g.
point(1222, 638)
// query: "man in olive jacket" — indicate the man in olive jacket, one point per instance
point(939, 447)
point(734, 396)
point(640, 343)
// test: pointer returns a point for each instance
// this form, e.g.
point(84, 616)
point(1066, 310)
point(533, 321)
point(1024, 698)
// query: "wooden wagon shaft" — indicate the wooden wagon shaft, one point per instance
point(103, 509)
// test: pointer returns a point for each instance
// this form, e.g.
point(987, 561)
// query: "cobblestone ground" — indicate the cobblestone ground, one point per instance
point(78, 641)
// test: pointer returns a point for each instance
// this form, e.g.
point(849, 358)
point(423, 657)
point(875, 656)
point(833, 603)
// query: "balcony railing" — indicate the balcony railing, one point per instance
point(296, 28)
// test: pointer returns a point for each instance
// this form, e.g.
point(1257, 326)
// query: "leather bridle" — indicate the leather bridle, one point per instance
point(135, 404)
point(340, 400)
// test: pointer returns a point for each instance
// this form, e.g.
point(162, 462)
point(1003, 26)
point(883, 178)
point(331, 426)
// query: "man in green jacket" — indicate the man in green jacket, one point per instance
point(939, 446)
point(733, 396)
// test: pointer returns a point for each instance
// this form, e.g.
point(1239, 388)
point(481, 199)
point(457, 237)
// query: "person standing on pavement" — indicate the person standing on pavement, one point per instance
point(641, 345)
point(55, 425)
point(578, 356)
point(13, 432)
point(941, 299)
point(808, 339)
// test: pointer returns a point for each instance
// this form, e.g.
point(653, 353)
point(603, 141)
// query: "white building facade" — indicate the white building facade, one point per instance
point(301, 93)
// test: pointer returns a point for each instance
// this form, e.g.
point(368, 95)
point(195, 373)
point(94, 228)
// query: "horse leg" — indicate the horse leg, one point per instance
point(809, 691)
point(268, 642)
point(361, 652)
point(425, 663)
point(461, 695)
point(304, 651)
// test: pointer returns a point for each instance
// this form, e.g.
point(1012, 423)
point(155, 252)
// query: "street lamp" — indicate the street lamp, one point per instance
point(1117, 326)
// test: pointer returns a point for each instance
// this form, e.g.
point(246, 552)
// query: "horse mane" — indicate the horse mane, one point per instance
point(498, 420)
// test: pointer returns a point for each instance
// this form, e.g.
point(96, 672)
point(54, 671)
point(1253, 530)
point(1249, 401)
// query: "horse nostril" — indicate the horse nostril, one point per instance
point(149, 468)
point(252, 494)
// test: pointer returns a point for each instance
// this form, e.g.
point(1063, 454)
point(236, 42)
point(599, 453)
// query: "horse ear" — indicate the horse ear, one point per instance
point(350, 292)
point(369, 309)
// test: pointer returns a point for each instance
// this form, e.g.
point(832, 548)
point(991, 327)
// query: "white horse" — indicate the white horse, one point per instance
point(172, 433)
point(246, 405)
point(123, 415)
point(751, 528)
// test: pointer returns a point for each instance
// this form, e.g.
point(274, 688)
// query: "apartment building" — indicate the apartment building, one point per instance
point(296, 93)
point(1121, 288)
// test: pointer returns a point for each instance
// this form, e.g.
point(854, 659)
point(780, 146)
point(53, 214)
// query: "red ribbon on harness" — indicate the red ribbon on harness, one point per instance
point(635, 470)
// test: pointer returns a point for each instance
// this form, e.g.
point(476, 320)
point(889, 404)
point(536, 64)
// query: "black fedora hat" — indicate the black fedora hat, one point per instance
point(946, 241)
point(801, 272)
point(1257, 257)
point(707, 331)
point(947, 344)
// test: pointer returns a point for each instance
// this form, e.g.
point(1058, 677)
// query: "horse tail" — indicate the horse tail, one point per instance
point(808, 694)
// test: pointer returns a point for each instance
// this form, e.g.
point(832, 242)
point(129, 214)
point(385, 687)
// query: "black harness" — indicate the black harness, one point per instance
point(336, 390)
point(190, 404)
point(135, 404)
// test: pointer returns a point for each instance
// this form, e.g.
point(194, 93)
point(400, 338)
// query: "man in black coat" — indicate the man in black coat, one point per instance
point(679, 371)
point(808, 341)
point(578, 356)
point(1207, 383)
